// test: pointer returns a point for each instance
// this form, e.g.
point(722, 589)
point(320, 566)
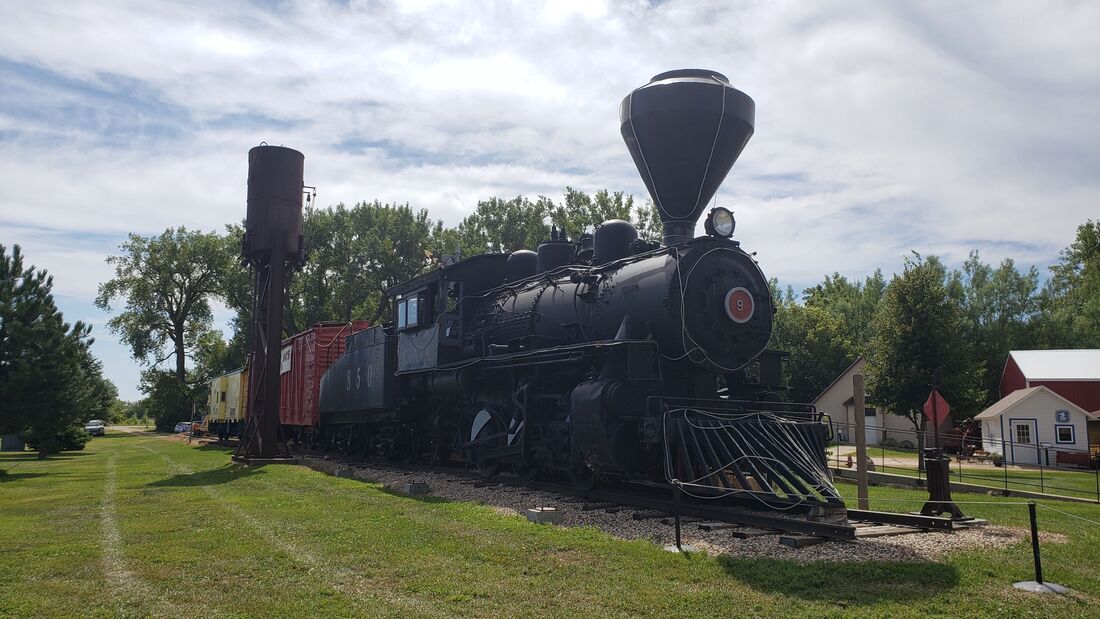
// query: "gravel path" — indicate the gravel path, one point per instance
point(515, 501)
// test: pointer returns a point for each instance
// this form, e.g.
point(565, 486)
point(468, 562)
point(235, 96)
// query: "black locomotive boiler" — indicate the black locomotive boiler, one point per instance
point(609, 358)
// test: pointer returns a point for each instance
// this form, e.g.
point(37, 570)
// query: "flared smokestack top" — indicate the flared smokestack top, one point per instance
point(685, 129)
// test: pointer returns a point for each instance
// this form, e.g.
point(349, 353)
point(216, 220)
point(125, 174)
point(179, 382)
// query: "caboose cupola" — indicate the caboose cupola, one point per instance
point(685, 129)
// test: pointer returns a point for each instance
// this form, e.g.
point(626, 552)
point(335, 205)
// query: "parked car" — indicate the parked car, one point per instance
point(183, 426)
point(96, 427)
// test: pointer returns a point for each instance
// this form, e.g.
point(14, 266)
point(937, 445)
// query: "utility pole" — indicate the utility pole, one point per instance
point(861, 440)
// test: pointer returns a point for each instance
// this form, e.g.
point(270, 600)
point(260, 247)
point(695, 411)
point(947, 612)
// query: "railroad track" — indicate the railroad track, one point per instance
point(658, 501)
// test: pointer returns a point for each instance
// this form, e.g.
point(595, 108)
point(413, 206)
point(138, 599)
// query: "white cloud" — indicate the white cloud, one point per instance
point(880, 127)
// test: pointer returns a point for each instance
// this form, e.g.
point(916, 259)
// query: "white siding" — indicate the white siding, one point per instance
point(1041, 407)
point(881, 427)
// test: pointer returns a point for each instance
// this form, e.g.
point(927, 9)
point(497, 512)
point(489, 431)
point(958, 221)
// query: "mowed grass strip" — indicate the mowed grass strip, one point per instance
point(196, 535)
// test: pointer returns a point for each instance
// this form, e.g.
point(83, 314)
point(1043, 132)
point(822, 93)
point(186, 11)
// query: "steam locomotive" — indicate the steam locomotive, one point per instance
point(569, 359)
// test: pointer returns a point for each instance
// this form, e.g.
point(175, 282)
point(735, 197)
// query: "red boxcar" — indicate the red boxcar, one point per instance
point(305, 357)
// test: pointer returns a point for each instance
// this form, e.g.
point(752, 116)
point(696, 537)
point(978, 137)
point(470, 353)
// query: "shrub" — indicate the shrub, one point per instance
point(72, 438)
point(890, 442)
point(906, 444)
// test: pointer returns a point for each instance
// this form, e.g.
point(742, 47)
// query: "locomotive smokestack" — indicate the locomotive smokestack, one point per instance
point(685, 129)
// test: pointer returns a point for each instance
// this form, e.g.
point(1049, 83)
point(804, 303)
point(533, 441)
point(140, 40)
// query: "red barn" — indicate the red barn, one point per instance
point(1072, 374)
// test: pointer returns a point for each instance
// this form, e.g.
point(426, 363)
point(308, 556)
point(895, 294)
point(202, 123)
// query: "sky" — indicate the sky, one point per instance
point(881, 127)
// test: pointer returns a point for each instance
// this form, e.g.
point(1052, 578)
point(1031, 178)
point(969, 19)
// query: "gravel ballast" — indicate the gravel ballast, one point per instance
point(514, 501)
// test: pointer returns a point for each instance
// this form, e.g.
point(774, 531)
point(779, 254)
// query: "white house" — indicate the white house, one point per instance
point(838, 402)
point(1034, 425)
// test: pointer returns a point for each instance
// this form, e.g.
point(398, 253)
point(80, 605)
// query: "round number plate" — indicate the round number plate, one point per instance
point(739, 305)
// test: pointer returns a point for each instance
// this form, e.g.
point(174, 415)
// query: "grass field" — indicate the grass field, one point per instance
point(141, 525)
point(1067, 482)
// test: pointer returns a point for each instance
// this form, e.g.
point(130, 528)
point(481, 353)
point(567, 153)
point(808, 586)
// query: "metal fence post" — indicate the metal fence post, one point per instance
point(1039, 457)
point(1097, 468)
point(1035, 542)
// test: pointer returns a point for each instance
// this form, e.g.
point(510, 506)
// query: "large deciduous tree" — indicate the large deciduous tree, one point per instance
point(920, 342)
point(1001, 308)
point(167, 283)
point(852, 303)
point(818, 345)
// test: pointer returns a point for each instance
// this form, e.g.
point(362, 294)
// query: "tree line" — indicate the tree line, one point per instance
point(165, 287)
point(925, 325)
point(933, 326)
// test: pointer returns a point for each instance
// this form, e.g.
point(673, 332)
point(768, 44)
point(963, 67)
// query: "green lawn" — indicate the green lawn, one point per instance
point(141, 525)
point(1067, 482)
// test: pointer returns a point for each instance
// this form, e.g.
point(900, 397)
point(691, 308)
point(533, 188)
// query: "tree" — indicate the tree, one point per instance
point(49, 380)
point(499, 225)
point(1070, 300)
point(852, 303)
point(1001, 308)
point(819, 348)
point(580, 211)
point(167, 283)
point(168, 399)
point(919, 343)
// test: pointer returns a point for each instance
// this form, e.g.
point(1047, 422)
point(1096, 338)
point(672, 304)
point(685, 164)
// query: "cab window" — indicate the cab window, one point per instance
point(407, 312)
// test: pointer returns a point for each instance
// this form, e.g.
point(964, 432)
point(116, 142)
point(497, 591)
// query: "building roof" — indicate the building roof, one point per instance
point(1020, 395)
point(837, 379)
point(1078, 364)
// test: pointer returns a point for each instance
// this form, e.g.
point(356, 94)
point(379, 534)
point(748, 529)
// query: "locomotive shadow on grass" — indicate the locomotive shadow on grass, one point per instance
point(212, 477)
point(846, 583)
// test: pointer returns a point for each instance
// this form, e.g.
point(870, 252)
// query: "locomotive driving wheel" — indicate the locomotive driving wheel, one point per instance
point(526, 472)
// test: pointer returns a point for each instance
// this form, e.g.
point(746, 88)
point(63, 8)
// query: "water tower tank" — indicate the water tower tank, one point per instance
point(275, 178)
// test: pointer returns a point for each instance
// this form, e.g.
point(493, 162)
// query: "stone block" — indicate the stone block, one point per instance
point(545, 515)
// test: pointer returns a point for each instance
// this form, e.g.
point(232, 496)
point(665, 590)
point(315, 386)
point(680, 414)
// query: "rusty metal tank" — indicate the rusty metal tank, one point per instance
point(274, 214)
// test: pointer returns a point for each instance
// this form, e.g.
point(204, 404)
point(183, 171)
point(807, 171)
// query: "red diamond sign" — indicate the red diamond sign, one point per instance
point(936, 408)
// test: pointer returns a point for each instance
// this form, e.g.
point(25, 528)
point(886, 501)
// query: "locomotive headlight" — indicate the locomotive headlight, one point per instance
point(720, 222)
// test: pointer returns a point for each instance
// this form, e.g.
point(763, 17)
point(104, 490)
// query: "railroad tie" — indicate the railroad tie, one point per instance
point(801, 541)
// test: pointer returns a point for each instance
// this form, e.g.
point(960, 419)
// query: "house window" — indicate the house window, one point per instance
point(1023, 434)
point(1064, 434)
